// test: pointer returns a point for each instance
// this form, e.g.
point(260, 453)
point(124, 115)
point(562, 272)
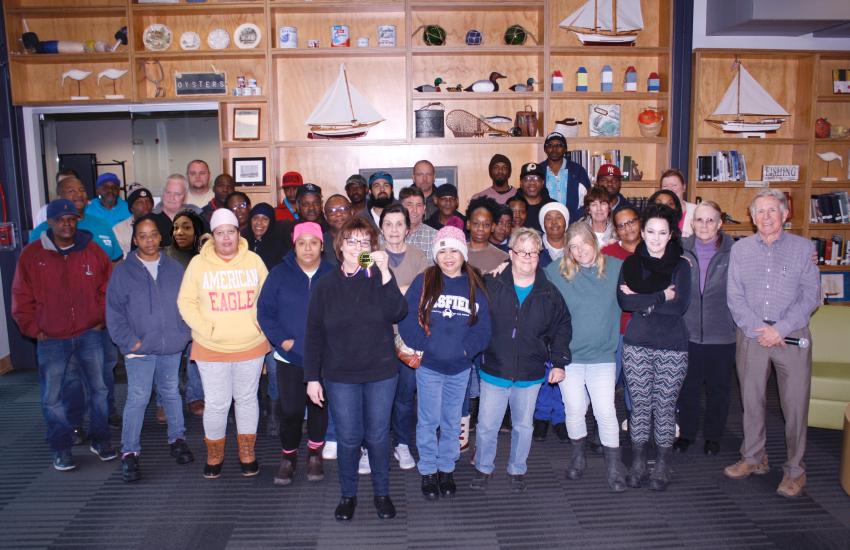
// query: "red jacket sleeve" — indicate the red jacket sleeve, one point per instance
point(23, 297)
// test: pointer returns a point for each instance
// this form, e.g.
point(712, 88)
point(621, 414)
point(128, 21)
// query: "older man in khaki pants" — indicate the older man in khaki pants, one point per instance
point(773, 289)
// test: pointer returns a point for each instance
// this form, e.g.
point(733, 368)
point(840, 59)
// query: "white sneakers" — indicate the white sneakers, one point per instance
point(329, 452)
point(464, 433)
point(405, 459)
point(363, 468)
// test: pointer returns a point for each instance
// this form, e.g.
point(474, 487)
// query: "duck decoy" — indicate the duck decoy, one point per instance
point(458, 88)
point(527, 87)
point(489, 85)
point(430, 88)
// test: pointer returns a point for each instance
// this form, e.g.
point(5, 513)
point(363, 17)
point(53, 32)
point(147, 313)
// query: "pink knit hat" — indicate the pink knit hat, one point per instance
point(307, 228)
point(450, 237)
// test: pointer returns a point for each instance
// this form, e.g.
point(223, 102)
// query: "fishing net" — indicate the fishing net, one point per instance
point(465, 124)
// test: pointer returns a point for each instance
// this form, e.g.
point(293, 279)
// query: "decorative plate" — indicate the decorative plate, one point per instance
point(157, 37)
point(218, 39)
point(190, 40)
point(247, 36)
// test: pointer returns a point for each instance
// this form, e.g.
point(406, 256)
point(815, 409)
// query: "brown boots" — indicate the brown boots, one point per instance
point(247, 458)
point(286, 470)
point(215, 456)
point(315, 465)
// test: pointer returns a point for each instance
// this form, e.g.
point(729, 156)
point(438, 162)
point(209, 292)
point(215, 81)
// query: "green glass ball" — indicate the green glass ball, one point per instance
point(515, 35)
point(434, 35)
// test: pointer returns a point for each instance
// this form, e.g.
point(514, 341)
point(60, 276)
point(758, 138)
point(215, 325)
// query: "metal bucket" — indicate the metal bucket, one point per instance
point(430, 122)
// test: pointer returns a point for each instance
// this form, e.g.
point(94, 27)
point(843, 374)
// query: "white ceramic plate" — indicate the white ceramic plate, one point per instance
point(157, 37)
point(190, 40)
point(247, 36)
point(218, 39)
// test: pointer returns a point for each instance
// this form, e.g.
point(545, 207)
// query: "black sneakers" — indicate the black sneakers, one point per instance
point(63, 461)
point(180, 451)
point(104, 451)
point(430, 489)
point(130, 468)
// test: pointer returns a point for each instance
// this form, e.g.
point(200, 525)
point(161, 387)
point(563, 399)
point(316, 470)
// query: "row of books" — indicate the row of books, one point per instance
point(834, 251)
point(722, 166)
point(591, 161)
point(830, 208)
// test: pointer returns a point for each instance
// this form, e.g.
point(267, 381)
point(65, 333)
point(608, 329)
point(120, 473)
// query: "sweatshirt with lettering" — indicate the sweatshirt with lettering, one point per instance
point(218, 299)
point(453, 343)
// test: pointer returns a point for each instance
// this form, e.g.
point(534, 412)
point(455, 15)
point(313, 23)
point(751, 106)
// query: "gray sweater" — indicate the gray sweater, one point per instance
point(708, 318)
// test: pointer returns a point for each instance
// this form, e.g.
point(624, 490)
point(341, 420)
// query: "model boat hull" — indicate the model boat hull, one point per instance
point(597, 39)
point(340, 131)
point(767, 125)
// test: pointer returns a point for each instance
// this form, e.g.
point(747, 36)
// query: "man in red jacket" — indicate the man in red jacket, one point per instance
point(58, 298)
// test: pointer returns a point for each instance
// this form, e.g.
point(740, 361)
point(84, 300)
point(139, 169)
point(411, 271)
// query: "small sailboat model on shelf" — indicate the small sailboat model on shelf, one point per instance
point(606, 22)
point(343, 112)
point(749, 103)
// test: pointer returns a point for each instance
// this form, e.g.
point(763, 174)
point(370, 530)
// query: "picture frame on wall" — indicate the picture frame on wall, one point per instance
point(246, 124)
point(249, 171)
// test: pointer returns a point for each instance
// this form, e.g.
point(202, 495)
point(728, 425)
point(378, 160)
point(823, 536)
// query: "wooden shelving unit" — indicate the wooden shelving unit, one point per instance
point(293, 80)
point(802, 83)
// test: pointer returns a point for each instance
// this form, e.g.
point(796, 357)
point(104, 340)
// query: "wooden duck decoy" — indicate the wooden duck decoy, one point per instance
point(430, 88)
point(527, 87)
point(489, 85)
point(458, 88)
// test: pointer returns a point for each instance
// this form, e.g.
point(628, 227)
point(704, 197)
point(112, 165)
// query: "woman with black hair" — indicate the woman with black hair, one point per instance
point(263, 235)
point(668, 198)
point(655, 284)
point(186, 232)
point(240, 204)
point(451, 325)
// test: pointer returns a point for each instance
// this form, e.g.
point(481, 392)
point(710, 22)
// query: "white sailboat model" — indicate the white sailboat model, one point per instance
point(343, 112)
point(606, 22)
point(745, 97)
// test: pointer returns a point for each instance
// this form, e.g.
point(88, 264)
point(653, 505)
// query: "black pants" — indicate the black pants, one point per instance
point(711, 364)
point(293, 399)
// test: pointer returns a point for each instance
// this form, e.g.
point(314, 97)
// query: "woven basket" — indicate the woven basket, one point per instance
point(651, 130)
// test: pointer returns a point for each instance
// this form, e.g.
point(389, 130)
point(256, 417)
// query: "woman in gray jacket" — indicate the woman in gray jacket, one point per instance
point(711, 350)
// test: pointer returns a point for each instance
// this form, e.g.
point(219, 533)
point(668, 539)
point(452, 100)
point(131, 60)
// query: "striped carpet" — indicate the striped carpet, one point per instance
point(174, 507)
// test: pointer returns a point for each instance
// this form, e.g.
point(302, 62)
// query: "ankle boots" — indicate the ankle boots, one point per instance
point(660, 477)
point(215, 456)
point(578, 462)
point(616, 471)
point(247, 459)
point(637, 474)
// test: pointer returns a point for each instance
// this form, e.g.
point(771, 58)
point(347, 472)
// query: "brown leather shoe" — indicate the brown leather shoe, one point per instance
point(790, 488)
point(742, 469)
point(215, 456)
point(247, 458)
point(160, 416)
point(197, 408)
point(286, 470)
point(315, 466)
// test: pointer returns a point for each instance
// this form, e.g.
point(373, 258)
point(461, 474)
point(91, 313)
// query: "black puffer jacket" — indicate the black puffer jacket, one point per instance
point(526, 338)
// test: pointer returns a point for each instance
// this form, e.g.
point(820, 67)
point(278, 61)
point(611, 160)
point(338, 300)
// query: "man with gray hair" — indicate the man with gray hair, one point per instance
point(772, 290)
point(174, 195)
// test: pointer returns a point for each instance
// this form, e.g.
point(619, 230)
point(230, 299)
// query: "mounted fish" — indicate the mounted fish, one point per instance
point(78, 75)
point(489, 85)
point(527, 87)
point(745, 97)
point(343, 112)
point(113, 75)
point(429, 88)
point(606, 22)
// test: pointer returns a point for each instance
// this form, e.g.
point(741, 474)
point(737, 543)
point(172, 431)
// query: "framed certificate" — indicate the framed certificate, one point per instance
point(246, 124)
point(249, 171)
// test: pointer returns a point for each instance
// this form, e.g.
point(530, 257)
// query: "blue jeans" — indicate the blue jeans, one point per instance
point(621, 378)
point(271, 372)
point(141, 373)
point(194, 387)
point(73, 395)
point(473, 388)
point(110, 360)
point(491, 410)
point(54, 355)
point(402, 418)
point(330, 433)
point(362, 412)
point(440, 401)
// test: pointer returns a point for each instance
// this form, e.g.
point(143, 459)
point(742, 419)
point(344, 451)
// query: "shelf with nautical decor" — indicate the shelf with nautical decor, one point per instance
point(606, 23)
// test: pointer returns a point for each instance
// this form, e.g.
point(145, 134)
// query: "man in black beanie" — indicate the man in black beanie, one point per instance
point(500, 174)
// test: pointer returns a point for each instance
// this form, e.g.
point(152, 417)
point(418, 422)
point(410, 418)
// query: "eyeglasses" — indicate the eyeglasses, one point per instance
point(524, 254)
point(705, 221)
point(239, 205)
point(366, 243)
point(627, 223)
point(338, 210)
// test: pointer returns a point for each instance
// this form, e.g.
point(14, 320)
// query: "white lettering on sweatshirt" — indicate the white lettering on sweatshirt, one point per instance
point(232, 279)
point(449, 306)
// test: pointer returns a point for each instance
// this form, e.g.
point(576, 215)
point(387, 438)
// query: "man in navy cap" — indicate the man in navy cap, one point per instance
point(447, 212)
point(566, 181)
point(356, 187)
point(533, 191)
point(58, 299)
point(380, 197)
point(140, 203)
point(308, 202)
point(108, 204)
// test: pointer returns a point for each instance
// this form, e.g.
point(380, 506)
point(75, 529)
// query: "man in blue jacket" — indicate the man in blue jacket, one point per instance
point(566, 181)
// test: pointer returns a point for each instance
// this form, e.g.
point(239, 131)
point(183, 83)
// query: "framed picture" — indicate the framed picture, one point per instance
point(246, 124)
point(249, 171)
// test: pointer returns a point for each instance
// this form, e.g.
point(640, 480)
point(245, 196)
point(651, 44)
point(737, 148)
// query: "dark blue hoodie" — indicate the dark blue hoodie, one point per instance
point(453, 343)
point(139, 308)
point(282, 306)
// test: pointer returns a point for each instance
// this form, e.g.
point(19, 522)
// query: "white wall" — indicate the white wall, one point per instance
point(108, 139)
point(805, 42)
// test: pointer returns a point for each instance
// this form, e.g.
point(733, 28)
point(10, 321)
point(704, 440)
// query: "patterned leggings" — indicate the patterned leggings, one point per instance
point(654, 377)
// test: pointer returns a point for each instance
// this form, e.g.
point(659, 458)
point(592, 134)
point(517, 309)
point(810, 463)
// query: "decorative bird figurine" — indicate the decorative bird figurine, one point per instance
point(527, 87)
point(429, 88)
point(113, 75)
point(489, 85)
point(458, 88)
point(78, 75)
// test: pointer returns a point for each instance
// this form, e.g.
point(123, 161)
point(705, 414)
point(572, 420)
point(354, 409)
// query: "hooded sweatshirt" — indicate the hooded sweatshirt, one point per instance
point(453, 343)
point(141, 309)
point(218, 299)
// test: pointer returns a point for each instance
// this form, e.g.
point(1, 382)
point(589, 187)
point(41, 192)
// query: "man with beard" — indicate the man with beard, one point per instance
point(566, 181)
point(534, 192)
point(337, 211)
point(140, 202)
point(500, 174)
point(108, 205)
point(356, 188)
point(308, 201)
point(424, 175)
point(380, 196)
point(289, 184)
point(447, 213)
point(223, 185)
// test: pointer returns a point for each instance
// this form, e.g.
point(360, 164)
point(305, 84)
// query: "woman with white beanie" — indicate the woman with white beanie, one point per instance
point(554, 219)
point(218, 300)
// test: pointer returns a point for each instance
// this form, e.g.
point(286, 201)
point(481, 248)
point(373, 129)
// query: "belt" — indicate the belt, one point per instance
point(768, 322)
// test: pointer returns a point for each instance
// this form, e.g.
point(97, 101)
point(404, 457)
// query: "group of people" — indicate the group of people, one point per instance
point(536, 300)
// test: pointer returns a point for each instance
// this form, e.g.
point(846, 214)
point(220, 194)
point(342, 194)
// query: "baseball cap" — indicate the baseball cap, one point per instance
point(609, 170)
point(532, 169)
point(61, 207)
point(291, 179)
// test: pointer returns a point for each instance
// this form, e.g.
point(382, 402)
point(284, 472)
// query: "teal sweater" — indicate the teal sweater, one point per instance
point(594, 310)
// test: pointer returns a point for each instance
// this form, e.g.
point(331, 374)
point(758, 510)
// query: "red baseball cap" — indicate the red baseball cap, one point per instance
point(609, 170)
point(291, 179)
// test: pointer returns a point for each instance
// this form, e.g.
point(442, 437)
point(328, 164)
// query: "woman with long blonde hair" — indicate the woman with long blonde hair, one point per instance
point(587, 280)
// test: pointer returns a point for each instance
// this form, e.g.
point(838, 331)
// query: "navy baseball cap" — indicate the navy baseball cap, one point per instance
point(61, 207)
point(308, 189)
point(380, 176)
point(532, 169)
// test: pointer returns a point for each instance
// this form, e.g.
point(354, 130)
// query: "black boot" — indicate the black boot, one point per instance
point(430, 488)
point(616, 469)
point(660, 477)
point(540, 429)
point(473, 412)
point(594, 443)
point(577, 460)
point(446, 481)
point(637, 474)
point(273, 419)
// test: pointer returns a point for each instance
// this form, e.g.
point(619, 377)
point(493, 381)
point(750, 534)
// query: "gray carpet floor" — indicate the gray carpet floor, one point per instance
point(174, 507)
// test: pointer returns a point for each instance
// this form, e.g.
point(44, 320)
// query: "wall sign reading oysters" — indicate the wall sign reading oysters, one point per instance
point(247, 36)
point(157, 37)
point(190, 40)
point(218, 39)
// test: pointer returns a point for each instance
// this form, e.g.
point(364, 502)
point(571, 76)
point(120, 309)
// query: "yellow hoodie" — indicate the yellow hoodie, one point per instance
point(218, 299)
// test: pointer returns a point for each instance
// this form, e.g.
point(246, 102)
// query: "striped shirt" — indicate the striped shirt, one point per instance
point(776, 284)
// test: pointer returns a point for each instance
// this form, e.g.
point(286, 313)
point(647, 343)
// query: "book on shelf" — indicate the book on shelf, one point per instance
point(722, 166)
point(834, 251)
point(591, 161)
point(830, 208)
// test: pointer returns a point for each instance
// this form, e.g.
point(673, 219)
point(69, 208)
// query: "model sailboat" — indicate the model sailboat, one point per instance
point(606, 22)
point(343, 112)
point(745, 97)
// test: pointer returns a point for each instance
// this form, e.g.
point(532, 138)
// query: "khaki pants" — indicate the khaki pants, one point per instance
point(793, 374)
